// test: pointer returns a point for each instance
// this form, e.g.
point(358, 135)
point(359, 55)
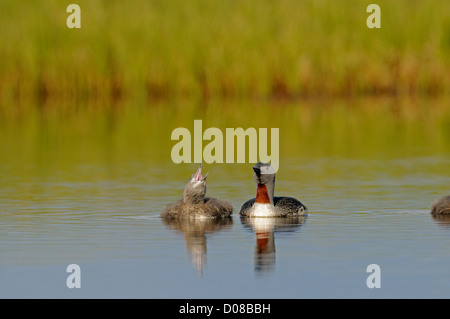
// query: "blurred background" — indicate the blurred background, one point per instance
point(138, 69)
point(210, 49)
point(86, 117)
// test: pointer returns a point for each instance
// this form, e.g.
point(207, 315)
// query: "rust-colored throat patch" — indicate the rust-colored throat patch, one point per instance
point(261, 194)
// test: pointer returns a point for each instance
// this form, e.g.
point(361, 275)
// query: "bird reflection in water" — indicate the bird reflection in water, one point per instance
point(442, 220)
point(195, 231)
point(264, 228)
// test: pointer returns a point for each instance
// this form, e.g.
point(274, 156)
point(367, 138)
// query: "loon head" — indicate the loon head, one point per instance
point(263, 173)
point(264, 176)
point(195, 189)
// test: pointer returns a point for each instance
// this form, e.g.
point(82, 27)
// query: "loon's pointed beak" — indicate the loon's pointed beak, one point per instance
point(198, 174)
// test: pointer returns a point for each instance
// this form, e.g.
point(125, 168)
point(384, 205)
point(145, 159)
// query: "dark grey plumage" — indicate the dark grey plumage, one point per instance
point(194, 203)
point(284, 206)
point(441, 206)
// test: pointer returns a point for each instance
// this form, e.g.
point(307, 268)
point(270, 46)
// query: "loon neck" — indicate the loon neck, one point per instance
point(263, 195)
point(191, 197)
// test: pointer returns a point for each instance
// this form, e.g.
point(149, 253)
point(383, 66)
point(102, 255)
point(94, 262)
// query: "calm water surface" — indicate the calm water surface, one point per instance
point(88, 189)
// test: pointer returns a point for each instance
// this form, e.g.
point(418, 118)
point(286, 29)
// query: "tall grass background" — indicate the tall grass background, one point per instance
point(162, 49)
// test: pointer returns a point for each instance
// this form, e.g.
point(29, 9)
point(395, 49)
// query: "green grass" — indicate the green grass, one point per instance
point(204, 48)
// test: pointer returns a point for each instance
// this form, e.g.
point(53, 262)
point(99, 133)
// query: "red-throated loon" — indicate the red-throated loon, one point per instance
point(266, 204)
point(194, 203)
point(441, 206)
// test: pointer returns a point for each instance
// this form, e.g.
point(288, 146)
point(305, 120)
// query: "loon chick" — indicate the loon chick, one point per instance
point(441, 206)
point(266, 204)
point(194, 203)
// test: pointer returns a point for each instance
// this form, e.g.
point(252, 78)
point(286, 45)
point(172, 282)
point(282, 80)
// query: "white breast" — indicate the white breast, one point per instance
point(262, 210)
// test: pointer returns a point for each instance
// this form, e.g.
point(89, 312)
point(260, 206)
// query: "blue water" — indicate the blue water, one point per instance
point(112, 230)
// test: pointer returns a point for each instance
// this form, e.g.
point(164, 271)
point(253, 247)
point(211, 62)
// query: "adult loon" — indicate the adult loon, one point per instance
point(441, 206)
point(265, 204)
point(194, 203)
